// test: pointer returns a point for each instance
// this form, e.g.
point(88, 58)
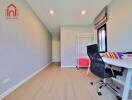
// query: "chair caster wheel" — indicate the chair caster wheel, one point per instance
point(91, 83)
point(119, 98)
point(99, 93)
point(77, 67)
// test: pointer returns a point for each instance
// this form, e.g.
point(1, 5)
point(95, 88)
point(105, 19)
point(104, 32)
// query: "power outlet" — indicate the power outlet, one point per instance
point(6, 80)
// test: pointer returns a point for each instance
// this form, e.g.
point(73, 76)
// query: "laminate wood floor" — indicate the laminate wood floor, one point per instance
point(55, 83)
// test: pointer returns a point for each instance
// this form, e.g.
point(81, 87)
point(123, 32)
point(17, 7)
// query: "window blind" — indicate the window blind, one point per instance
point(101, 19)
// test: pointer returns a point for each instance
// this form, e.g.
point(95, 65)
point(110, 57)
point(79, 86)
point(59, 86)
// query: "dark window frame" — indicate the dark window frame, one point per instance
point(98, 30)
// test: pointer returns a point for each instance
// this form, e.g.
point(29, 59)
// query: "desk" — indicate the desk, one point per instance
point(126, 64)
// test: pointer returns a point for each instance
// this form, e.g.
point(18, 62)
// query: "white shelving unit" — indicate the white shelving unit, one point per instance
point(122, 82)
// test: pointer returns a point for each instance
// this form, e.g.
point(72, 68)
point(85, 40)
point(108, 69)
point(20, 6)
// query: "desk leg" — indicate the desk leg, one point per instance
point(127, 85)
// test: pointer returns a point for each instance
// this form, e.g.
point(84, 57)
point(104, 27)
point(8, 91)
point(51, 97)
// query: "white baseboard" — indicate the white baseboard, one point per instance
point(68, 66)
point(22, 82)
point(55, 60)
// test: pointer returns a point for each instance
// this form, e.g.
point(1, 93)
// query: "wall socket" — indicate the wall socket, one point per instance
point(6, 80)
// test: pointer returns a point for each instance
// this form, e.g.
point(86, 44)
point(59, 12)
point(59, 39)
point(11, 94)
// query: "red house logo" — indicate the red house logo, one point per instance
point(11, 12)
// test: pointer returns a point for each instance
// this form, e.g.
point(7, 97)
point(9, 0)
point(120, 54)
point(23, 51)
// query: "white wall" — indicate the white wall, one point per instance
point(119, 26)
point(25, 44)
point(68, 43)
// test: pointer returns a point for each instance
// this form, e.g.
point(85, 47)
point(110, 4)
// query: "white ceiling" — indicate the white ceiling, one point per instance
point(67, 12)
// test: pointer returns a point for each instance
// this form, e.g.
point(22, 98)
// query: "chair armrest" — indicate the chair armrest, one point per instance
point(112, 70)
point(116, 71)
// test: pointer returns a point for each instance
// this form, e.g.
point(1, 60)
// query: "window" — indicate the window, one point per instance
point(102, 39)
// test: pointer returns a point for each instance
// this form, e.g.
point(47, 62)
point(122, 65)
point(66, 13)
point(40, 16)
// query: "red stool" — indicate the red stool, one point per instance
point(83, 62)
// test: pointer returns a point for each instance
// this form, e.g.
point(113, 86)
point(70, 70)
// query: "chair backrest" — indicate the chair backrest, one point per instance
point(97, 65)
point(91, 49)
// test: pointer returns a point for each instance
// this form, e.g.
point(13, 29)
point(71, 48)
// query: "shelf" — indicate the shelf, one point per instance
point(122, 82)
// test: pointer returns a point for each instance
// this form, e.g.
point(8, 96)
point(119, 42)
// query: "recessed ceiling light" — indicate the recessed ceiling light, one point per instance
point(51, 12)
point(83, 12)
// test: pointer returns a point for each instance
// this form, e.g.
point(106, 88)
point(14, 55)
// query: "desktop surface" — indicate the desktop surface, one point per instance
point(126, 63)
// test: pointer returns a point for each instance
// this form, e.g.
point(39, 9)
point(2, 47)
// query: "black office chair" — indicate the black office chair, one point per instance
point(98, 67)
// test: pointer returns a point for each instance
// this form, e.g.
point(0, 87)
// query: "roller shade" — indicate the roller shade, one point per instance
point(101, 19)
